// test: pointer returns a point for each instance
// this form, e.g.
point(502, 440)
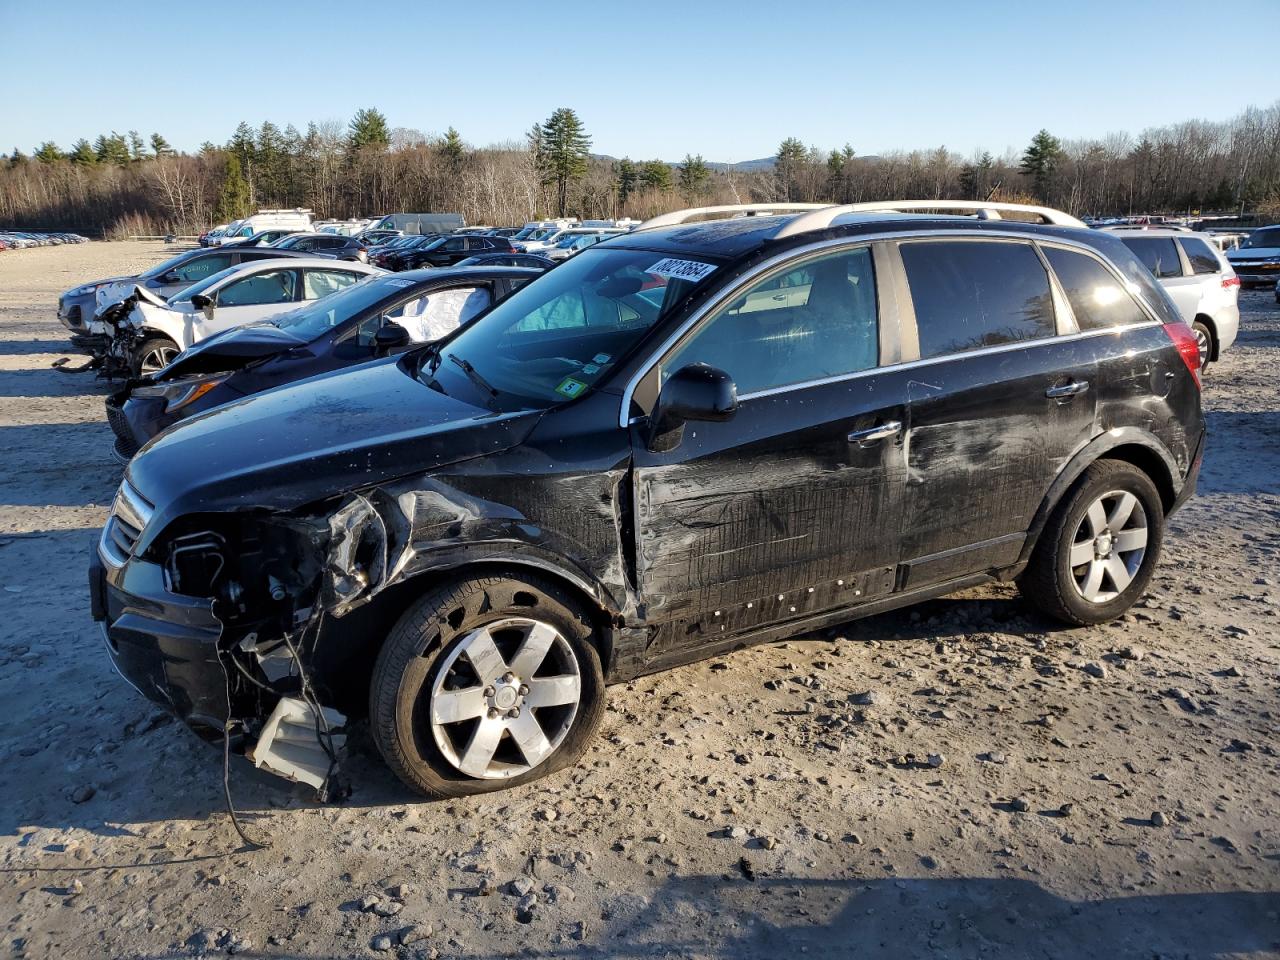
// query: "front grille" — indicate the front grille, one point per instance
point(130, 514)
point(117, 420)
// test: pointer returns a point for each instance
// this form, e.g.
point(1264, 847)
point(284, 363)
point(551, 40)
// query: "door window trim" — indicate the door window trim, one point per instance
point(748, 279)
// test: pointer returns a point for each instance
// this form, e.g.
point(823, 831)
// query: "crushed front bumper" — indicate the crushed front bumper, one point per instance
point(163, 644)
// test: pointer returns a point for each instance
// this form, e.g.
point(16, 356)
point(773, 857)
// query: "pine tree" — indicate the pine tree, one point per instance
point(452, 148)
point(1040, 160)
point(368, 128)
point(112, 149)
point(791, 156)
point(627, 176)
point(48, 152)
point(82, 154)
point(137, 147)
point(233, 198)
point(975, 178)
point(655, 175)
point(563, 154)
point(160, 146)
point(17, 158)
point(694, 177)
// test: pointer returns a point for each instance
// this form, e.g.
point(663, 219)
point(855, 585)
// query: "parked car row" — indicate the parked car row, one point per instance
point(22, 239)
point(461, 501)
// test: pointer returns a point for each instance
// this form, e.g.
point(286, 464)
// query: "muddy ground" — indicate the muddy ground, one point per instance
point(994, 798)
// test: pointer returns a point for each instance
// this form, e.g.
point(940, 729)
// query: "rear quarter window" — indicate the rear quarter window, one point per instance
point(1098, 299)
point(1199, 255)
point(974, 294)
point(1158, 254)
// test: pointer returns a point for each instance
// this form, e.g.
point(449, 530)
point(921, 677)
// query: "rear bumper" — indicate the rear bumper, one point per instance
point(1193, 474)
point(163, 644)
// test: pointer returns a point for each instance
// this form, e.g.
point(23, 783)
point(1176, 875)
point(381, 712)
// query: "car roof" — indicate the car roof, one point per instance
point(1155, 232)
point(326, 263)
point(482, 272)
point(730, 239)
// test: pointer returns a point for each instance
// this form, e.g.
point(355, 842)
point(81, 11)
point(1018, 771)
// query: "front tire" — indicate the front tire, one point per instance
point(153, 354)
point(486, 683)
point(1100, 547)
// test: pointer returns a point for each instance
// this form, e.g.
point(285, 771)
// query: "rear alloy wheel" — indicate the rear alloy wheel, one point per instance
point(1099, 549)
point(485, 684)
point(153, 355)
point(1204, 341)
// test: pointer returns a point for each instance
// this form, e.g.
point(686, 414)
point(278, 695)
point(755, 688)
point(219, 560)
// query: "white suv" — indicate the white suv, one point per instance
point(1198, 278)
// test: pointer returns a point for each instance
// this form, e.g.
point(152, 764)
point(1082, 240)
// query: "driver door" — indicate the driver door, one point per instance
point(255, 297)
point(793, 506)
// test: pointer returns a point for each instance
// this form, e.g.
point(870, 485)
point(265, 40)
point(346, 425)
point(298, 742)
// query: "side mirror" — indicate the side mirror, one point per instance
point(389, 337)
point(698, 392)
point(201, 302)
point(171, 277)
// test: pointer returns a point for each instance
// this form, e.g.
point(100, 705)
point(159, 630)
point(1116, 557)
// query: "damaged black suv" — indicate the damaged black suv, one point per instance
point(684, 440)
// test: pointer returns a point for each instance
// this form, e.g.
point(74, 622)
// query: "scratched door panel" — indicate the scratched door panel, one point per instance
point(984, 442)
point(774, 500)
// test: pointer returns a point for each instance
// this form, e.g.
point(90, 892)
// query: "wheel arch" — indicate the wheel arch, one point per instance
point(1213, 333)
point(1130, 445)
point(375, 618)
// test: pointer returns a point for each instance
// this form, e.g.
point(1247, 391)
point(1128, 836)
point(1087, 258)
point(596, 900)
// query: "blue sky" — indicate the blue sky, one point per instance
point(649, 79)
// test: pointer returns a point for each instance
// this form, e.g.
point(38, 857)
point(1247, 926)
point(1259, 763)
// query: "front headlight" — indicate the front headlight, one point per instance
point(181, 393)
point(87, 289)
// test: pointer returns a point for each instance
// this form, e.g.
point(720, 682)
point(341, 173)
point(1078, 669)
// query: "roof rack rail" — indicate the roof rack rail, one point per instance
point(985, 210)
point(750, 209)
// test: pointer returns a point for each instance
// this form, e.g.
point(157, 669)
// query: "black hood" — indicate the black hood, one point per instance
point(231, 350)
point(318, 438)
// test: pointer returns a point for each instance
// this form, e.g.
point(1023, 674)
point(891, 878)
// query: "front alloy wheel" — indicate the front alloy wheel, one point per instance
point(485, 683)
point(505, 698)
point(155, 354)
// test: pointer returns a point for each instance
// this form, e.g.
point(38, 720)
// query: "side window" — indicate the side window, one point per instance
point(455, 245)
point(274, 286)
point(974, 294)
point(440, 312)
point(1200, 256)
point(1158, 254)
point(1097, 298)
point(814, 321)
point(321, 283)
point(203, 267)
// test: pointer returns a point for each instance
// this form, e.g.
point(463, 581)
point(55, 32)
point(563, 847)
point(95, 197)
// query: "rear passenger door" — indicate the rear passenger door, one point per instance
point(793, 506)
point(997, 403)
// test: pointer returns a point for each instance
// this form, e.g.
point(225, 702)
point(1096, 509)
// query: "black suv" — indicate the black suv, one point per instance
point(695, 437)
point(323, 244)
point(446, 251)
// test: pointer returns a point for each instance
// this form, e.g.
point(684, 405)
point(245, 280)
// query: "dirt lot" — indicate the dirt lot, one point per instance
point(1006, 789)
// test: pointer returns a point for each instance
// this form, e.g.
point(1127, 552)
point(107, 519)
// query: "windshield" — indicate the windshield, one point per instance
point(543, 234)
point(200, 286)
point(1267, 237)
point(160, 269)
point(556, 337)
point(320, 316)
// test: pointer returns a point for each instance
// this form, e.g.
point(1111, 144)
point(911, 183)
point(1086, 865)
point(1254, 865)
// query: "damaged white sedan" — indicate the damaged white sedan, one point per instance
point(145, 332)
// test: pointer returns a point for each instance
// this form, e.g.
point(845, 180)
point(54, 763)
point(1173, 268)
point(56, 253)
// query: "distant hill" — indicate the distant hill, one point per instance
point(744, 166)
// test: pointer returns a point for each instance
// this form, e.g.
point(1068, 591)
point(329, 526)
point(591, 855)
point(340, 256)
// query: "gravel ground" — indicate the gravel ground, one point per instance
point(963, 779)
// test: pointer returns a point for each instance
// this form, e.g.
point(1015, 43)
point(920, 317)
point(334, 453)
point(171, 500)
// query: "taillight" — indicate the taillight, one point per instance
point(1229, 282)
point(1185, 340)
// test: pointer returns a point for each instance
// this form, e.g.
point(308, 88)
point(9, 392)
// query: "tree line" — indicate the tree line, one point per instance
point(124, 183)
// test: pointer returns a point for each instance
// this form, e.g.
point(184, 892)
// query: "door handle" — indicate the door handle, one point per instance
point(881, 431)
point(1067, 390)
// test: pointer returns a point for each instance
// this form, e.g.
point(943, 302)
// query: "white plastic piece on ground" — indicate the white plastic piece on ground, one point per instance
point(290, 747)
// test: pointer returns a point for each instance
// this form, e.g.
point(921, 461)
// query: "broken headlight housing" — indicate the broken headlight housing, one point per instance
point(181, 393)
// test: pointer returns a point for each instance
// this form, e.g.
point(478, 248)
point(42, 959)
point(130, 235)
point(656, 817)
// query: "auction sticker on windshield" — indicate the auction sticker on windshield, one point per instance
point(570, 387)
point(681, 269)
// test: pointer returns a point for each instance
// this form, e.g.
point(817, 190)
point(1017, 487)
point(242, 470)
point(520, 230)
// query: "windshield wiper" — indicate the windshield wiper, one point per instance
point(474, 376)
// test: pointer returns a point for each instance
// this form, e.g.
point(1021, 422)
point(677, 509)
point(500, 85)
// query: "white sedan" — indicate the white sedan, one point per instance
point(230, 298)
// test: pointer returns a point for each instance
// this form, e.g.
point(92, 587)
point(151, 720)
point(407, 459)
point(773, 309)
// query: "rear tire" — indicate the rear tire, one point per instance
point(452, 721)
point(1204, 340)
point(1100, 547)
